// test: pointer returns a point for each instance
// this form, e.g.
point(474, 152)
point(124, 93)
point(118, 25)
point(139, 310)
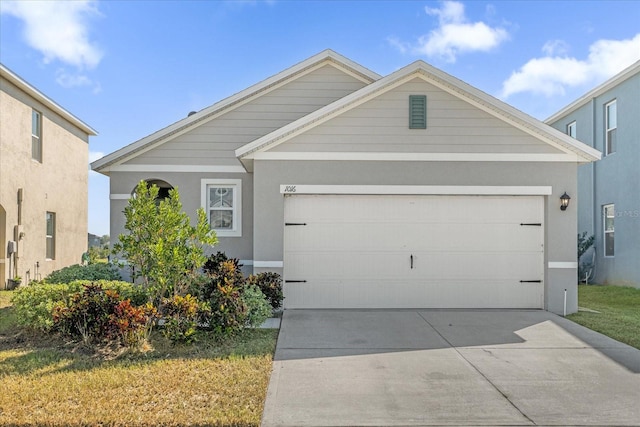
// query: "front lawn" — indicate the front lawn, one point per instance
point(47, 382)
point(618, 312)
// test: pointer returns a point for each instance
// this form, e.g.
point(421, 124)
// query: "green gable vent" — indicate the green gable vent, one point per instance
point(417, 111)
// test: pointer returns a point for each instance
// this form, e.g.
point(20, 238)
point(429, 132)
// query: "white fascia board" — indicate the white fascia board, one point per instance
point(441, 80)
point(44, 99)
point(418, 157)
point(597, 91)
point(222, 107)
point(469, 190)
point(178, 168)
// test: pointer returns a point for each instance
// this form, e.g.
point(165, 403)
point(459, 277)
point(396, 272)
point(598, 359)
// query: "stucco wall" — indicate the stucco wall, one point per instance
point(614, 179)
point(560, 227)
point(58, 184)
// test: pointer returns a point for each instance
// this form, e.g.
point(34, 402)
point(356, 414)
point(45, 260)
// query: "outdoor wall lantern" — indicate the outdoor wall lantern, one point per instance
point(564, 201)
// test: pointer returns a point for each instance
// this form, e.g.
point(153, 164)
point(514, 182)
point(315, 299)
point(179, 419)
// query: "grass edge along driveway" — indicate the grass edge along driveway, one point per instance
point(617, 312)
point(48, 383)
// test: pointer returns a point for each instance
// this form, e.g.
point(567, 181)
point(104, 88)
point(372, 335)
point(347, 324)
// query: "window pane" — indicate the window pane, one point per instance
point(221, 219)
point(611, 141)
point(612, 113)
point(221, 197)
point(609, 244)
point(51, 249)
point(35, 123)
point(50, 229)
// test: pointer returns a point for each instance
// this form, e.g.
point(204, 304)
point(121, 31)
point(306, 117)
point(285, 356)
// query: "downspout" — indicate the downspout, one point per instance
point(596, 211)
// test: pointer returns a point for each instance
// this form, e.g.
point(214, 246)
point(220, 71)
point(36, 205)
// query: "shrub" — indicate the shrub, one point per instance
point(258, 308)
point(181, 316)
point(271, 286)
point(99, 271)
point(98, 315)
point(34, 303)
point(161, 245)
point(220, 271)
point(228, 310)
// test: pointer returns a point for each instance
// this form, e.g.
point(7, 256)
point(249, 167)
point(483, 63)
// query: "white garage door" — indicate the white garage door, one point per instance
point(370, 251)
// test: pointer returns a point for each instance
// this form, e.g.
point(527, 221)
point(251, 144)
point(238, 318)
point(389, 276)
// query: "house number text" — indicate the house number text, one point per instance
point(290, 189)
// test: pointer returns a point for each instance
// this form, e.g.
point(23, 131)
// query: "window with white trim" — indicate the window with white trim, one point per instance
point(51, 236)
point(36, 135)
point(571, 129)
point(611, 127)
point(222, 201)
point(608, 218)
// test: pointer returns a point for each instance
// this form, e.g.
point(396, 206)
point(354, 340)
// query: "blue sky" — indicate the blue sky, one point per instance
point(129, 68)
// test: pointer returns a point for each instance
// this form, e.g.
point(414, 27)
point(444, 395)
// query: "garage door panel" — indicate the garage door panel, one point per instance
point(467, 251)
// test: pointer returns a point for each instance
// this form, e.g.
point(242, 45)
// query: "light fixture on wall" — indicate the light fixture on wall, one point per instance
point(564, 201)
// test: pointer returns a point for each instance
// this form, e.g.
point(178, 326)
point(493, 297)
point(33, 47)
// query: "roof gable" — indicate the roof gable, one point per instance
point(459, 89)
point(233, 102)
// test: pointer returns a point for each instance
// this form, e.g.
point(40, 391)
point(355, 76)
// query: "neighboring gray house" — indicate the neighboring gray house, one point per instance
point(608, 119)
point(409, 190)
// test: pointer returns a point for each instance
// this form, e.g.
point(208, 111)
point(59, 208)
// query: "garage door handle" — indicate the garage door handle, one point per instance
point(411, 262)
point(530, 281)
point(295, 223)
point(534, 224)
point(295, 281)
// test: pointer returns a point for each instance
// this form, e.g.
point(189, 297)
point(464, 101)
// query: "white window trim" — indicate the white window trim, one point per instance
point(606, 124)
point(573, 126)
point(237, 204)
point(50, 236)
point(604, 230)
point(38, 136)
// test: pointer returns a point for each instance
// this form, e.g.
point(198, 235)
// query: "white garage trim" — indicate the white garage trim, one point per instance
point(418, 190)
point(563, 264)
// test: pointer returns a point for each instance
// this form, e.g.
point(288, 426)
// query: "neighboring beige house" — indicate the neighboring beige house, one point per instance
point(44, 154)
point(405, 191)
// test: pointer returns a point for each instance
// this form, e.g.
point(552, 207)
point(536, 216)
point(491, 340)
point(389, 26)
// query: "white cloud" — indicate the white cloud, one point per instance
point(555, 47)
point(70, 80)
point(95, 155)
point(454, 35)
point(551, 75)
point(58, 29)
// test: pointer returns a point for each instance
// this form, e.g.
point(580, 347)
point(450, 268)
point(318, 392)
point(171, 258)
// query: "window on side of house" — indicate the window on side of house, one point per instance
point(222, 201)
point(608, 218)
point(417, 111)
point(571, 129)
point(611, 127)
point(36, 136)
point(51, 236)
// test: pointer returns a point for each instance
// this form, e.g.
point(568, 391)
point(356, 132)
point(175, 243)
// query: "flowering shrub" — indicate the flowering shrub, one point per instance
point(97, 316)
point(181, 316)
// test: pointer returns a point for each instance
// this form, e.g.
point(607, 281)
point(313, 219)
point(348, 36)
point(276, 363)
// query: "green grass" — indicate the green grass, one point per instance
point(618, 312)
point(47, 382)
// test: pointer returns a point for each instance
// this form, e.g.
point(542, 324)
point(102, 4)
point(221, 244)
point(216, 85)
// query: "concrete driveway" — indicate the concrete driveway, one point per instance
point(453, 367)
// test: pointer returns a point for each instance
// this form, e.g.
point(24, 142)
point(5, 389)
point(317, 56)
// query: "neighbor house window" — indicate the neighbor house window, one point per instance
point(571, 129)
point(51, 236)
point(611, 127)
point(36, 135)
point(222, 201)
point(608, 216)
point(417, 111)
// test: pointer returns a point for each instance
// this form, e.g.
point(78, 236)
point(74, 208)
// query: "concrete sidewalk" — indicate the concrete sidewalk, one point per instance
point(435, 367)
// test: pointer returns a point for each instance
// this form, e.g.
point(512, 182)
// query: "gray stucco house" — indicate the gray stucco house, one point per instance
point(608, 119)
point(409, 190)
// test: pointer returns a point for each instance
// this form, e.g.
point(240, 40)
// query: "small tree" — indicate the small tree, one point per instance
point(162, 246)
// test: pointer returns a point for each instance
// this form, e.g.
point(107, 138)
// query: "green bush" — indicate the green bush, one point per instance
point(181, 316)
point(228, 310)
point(93, 272)
point(271, 286)
point(258, 308)
point(97, 315)
point(34, 304)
